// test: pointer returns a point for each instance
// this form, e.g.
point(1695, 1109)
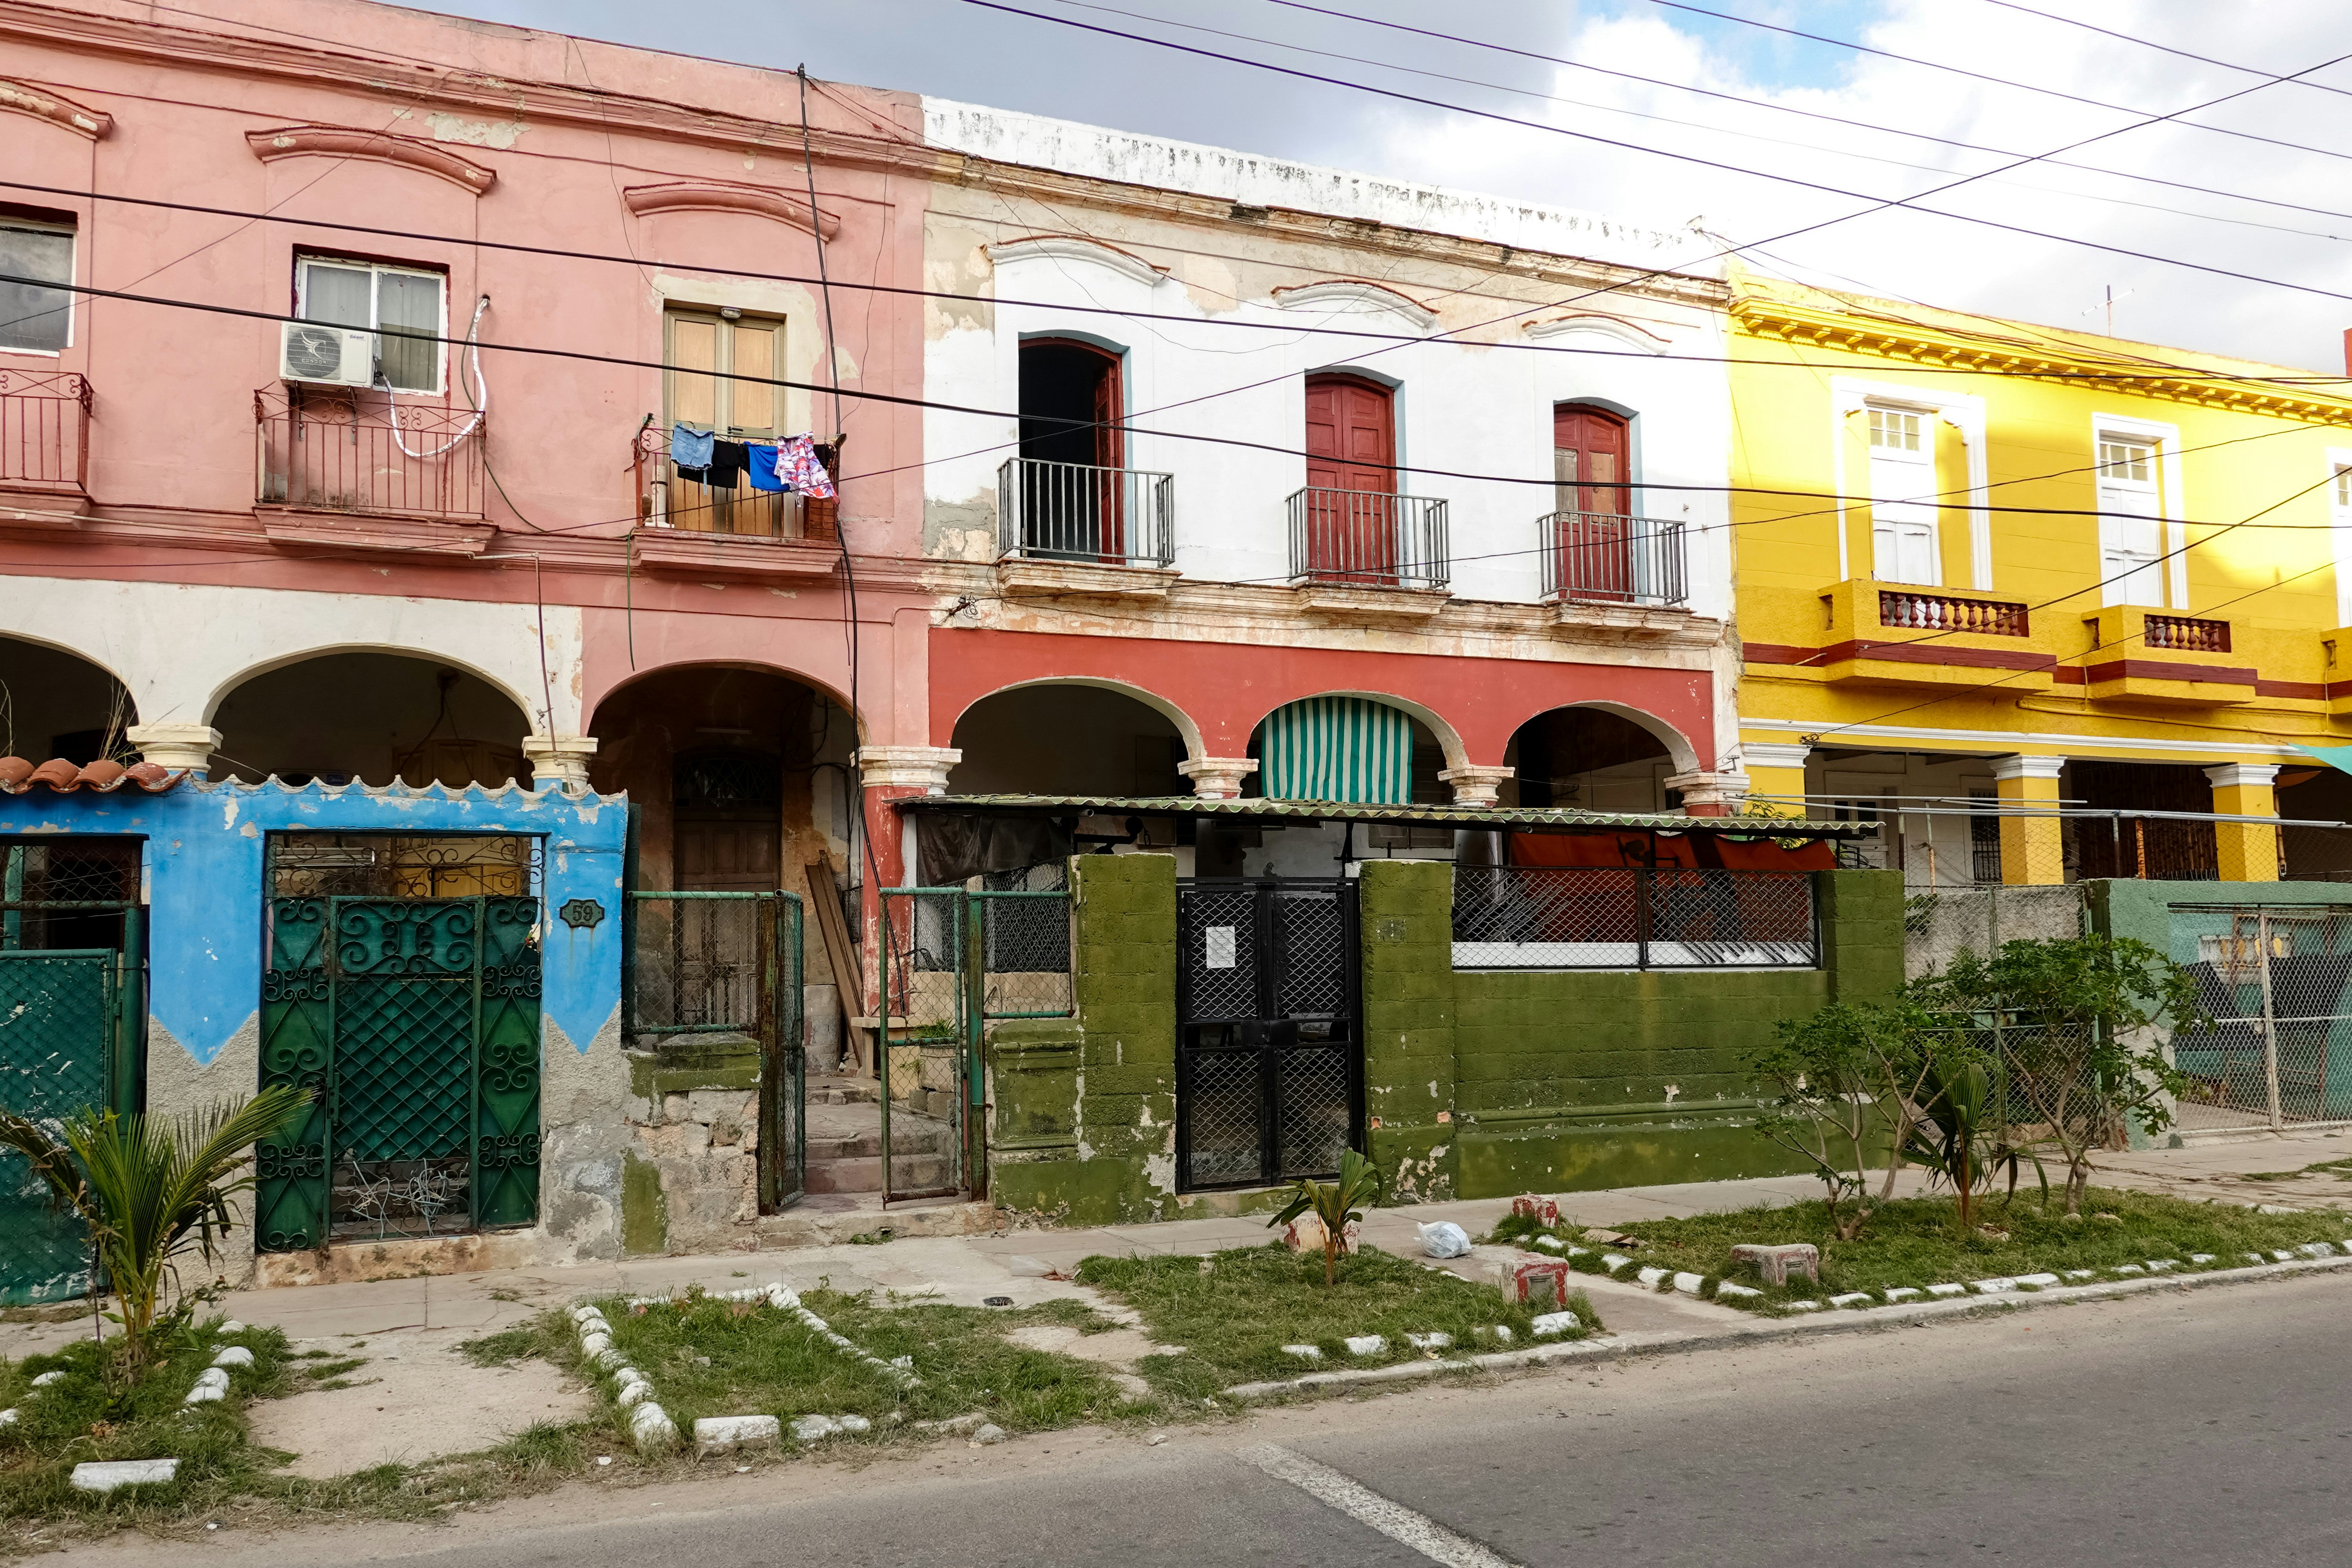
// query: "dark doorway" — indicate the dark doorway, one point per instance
point(1072, 448)
point(1585, 757)
point(727, 812)
point(2164, 849)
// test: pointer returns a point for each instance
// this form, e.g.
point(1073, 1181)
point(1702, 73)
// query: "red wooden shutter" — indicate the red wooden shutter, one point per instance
point(1352, 445)
point(1589, 466)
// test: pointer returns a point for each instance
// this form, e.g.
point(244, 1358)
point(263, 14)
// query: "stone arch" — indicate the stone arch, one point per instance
point(530, 702)
point(370, 715)
point(62, 703)
point(1678, 745)
point(1597, 755)
point(1095, 736)
point(824, 689)
point(1195, 748)
point(1449, 739)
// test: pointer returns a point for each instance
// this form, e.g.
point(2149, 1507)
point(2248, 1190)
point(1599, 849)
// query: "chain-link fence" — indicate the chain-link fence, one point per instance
point(2273, 978)
point(1611, 917)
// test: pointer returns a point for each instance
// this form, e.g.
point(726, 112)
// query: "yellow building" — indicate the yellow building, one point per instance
point(1985, 562)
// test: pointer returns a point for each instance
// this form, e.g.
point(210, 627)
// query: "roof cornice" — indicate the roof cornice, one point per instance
point(1915, 344)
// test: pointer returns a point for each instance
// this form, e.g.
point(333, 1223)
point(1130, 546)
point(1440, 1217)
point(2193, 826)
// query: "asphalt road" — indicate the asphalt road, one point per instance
point(2210, 1427)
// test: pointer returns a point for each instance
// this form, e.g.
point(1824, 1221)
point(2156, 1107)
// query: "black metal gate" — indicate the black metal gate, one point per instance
point(1269, 1061)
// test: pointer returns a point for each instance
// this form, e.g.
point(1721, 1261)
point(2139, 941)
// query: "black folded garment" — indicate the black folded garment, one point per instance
point(728, 461)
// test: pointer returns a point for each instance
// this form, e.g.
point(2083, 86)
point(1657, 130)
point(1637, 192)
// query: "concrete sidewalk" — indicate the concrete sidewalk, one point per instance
point(966, 1268)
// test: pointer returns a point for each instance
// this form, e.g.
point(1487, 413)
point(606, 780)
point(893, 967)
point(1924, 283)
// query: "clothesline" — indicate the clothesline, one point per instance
point(791, 464)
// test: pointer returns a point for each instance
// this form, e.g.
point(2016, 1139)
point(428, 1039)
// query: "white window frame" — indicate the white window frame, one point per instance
point(72, 231)
point(305, 259)
point(2339, 517)
point(1964, 412)
point(1918, 487)
point(2172, 526)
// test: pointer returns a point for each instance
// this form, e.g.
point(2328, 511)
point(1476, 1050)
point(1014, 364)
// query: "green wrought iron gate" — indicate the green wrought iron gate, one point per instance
point(414, 1021)
point(720, 972)
point(954, 959)
point(72, 1014)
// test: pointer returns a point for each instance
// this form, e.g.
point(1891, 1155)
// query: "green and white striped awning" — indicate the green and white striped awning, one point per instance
point(1347, 748)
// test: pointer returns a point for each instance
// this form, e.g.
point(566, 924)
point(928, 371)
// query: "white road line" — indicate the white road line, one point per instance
point(1360, 1502)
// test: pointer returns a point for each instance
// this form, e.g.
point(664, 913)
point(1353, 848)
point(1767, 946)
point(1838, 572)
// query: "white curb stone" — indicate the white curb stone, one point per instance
point(1554, 1323)
point(1304, 1352)
point(2284, 1256)
point(1429, 1341)
point(1995, 1286)
point(2082, 1274)
point(579, 1314)
point(722, 1434)
point(230, 1326)
point(652, 1429)
point(633, 1394)
point(211, 1384)
point(1613, 1261)
point(2316, 1249)
point(807, 1428)
point(105, 1475)
point(1580, 1252)
point(2130, 1269)
point(1649, 1277)
point(2039, 1281)
point(1947, 1289)
point(9, 1418)
point(2254, 1258)
point(989, 1434)
point(1804, 1306)
point(1851, 1298)
point(1727, 1287)
point(1551, 1243)
point(1365, 1344)
point(2162, 1265)
point(47, 1378)
point(1903, 1292)
point(1690, 1284)
point(956, 1426)
point(233, 1355)
point(2200, 1258)
point(594, 1345)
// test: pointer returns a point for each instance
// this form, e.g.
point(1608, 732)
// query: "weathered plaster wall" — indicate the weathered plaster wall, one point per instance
point(1477, 1084)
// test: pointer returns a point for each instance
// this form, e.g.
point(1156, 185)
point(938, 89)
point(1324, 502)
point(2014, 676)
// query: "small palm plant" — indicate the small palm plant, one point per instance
point(150, 1189)
point(1335, 1203)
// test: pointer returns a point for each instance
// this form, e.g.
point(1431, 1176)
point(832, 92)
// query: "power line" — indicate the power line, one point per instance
point(1879, 204)
point(2158, 368)
point(1814, 114)
point(2026, 87)
point(2160, 48)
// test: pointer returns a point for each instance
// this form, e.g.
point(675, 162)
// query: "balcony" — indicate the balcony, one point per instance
point(358, 469)
point(1883, 635)
point(685, 525)
point(1611, 576)
point(1367, 554)
point(44, 442)
point(1081, 532)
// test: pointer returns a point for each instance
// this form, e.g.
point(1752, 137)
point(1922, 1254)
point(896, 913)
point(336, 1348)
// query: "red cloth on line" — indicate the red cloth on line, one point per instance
point(1620, 848)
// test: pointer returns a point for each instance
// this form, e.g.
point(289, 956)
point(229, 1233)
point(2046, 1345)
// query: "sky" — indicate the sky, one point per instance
point(2271, 168)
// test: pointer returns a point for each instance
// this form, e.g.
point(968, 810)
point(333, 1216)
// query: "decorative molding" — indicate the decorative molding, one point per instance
point(1077, 248)
point(1359, 293)
point(2027, 767)
point(1217, 778)
point(1631, 333)
point(1083, 579)
point(696, 553)
point(720, 196)
point(1773, 754)
point(1912, 343)
point(1344, 602)
point(40, 103)
point(559, 759)
point(373, 146)
point(1639, 624)
point(2244, 775)
point(177, 746)
point(923, 768)
point(1475, 785)
point(1982, 739)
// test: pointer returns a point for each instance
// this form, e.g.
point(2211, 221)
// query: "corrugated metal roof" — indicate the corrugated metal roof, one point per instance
point(17, 776)
point(1520, 816)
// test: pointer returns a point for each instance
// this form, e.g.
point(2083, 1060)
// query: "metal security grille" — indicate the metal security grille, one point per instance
point(1269, 1064)
point(414, 1020)
point(1611, 917)
point(72, 1014)
point(2274, 979)
point(722, 971)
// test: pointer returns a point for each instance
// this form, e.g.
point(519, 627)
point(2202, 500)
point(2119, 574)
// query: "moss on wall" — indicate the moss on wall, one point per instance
point(644, 1214)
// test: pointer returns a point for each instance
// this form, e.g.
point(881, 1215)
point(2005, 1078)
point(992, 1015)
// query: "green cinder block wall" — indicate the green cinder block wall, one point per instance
point(1475, 1084)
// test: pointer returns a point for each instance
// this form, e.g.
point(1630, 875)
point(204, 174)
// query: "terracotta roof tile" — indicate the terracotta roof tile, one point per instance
point(17, 776)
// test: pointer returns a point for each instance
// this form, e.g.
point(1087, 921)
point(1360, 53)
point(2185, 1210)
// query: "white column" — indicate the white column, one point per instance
point(559, 759)
point(1475, 786)
point(175, 746)
point(1217, 778)
point(919, 768)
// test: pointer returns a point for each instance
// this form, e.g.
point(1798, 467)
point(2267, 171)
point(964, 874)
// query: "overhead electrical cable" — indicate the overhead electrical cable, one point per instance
point(2146, 43)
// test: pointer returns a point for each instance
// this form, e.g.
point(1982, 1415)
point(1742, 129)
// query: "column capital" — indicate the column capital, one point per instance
point(923, 768)
point(176, 746)
point(1773, 753)
point(559, 759)
point(1475, 786)
point(1217, 778)
point(1709, 794)
point(2024, 767)
point(2244, 775)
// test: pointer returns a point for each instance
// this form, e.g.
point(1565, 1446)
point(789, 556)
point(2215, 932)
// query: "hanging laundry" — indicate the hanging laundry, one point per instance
point(763, 466)
point(690, 450)
point(798, 467)
point(728, 460)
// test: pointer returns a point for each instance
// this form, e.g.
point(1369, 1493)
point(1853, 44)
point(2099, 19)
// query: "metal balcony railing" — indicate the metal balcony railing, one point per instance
point(44, 431)
point(1946, 613)
point(340, 451)
point(1077, 512)
point(1368, 539)
point(1606, 559)
point(668, 499)
point(2184, 635)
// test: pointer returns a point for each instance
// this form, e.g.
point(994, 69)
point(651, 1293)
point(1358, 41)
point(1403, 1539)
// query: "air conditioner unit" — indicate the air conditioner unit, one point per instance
point(338, 356)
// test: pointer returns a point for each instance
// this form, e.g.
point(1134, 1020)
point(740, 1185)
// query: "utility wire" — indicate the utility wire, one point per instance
point(2160, 48)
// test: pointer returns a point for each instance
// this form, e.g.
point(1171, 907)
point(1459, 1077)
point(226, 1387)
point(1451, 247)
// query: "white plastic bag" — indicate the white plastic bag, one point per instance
point(1444, 1239)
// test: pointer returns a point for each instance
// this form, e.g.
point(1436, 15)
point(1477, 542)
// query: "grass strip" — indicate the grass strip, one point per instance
point(1233, 1312)
point(1918, 1242)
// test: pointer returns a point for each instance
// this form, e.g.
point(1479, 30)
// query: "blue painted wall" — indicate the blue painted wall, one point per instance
point(203, 882)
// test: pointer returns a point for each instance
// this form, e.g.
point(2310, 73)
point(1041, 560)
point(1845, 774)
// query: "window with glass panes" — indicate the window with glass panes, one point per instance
point(1902, 491)
point(401, 305)
point(2131, 530)
point(719, 376)
point(37, 313)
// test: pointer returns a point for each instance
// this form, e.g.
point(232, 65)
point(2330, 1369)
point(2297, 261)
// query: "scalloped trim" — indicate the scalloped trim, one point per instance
point(1357, 291)
point(716, 195)
point(376, 146)
point(1632, 334)
point(23, 97)
point(397, 790)
point(1077, 248)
